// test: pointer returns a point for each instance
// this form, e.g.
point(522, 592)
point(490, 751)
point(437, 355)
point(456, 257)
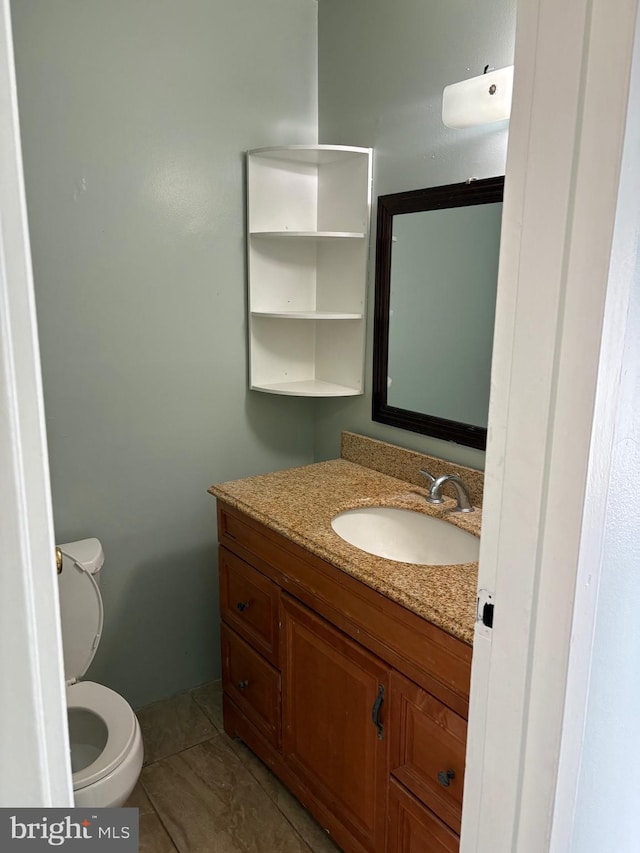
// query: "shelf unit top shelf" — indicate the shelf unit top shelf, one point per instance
point(308, 388)
point(308, 315)
point(315, 154)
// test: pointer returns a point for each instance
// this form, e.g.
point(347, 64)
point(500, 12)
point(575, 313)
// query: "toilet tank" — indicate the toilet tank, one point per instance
point(87, 552)
point(81, 611)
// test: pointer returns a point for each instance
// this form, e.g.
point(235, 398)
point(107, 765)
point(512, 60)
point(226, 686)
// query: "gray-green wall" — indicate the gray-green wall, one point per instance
point(134, 118)
point(382, 69)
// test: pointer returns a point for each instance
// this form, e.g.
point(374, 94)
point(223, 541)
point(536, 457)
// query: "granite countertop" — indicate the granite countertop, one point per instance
point(300, 502)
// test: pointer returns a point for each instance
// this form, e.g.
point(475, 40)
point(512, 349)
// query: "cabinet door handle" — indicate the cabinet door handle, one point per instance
point(375, 711)
point(242, 605)
point(445, 777)
point(242, 685)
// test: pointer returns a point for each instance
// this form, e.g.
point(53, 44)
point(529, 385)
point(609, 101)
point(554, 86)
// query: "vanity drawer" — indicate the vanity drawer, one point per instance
point(413, 828)
point(249, 602)
point(428, 742)
point(252, 684)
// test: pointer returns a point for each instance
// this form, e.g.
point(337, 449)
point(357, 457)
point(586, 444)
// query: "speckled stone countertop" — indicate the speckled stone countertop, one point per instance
point(300, 502)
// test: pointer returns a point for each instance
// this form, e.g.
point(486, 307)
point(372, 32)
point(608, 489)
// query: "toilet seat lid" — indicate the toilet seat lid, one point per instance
point(81, 616)
point(120, 722)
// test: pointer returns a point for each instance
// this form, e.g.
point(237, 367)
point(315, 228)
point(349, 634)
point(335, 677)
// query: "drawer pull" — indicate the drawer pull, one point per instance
point(242, 605)
point(445, 777)
point(242, 685)
point(375, 712)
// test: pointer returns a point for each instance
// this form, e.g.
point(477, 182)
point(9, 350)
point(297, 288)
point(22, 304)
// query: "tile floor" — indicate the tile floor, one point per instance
point(202, 792)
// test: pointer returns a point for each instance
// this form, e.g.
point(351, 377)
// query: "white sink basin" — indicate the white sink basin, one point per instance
point(406, 536)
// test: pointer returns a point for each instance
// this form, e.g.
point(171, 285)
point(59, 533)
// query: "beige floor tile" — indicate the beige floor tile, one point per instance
point(313, 833)
point(209, 698)
point(153, 836)
point(208, 801)
point(172, 725)
point(306, 825)
point(139, 800)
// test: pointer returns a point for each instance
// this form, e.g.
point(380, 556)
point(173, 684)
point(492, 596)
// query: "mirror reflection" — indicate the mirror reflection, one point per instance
point(436, 277)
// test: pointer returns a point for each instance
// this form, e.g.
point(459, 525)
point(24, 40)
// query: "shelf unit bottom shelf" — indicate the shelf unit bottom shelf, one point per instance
point(308, 315)
point(308, 388)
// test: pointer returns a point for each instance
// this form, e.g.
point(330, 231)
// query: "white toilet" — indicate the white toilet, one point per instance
point(106, 743)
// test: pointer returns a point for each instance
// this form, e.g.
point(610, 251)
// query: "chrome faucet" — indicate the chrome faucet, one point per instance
point(435, 490)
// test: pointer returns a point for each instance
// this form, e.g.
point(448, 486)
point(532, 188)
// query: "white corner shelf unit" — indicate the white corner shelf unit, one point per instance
point(308, 212)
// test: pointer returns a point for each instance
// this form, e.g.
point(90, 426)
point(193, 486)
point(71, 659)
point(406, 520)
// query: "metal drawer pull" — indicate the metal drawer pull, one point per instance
point(243, 684)
point(242, 605)
point(375, 712)
point(445, 777)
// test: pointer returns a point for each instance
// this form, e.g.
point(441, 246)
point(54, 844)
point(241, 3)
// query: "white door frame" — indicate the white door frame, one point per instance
point(34, 754)
point(557, 357)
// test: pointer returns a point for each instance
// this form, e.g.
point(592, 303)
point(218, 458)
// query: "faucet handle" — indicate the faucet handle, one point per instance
point(430, 478)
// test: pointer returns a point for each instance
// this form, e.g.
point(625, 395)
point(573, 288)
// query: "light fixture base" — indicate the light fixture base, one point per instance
point(478, 100)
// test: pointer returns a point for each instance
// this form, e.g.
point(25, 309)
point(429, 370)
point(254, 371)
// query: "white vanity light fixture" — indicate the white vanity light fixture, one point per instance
point(478, 100)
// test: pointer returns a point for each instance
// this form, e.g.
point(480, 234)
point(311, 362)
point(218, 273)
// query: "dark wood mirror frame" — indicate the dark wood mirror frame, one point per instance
point(485, 191)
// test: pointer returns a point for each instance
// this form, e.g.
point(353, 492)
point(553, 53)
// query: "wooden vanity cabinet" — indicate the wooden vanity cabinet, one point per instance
point(358, 705)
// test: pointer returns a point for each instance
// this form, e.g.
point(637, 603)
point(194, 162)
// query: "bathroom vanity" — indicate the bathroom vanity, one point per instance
point(347, 674)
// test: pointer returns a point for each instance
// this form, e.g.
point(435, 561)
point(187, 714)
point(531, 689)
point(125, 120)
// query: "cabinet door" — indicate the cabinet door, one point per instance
point(334, 716)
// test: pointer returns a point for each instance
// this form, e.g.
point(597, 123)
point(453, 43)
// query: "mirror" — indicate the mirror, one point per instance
point(436, 276)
